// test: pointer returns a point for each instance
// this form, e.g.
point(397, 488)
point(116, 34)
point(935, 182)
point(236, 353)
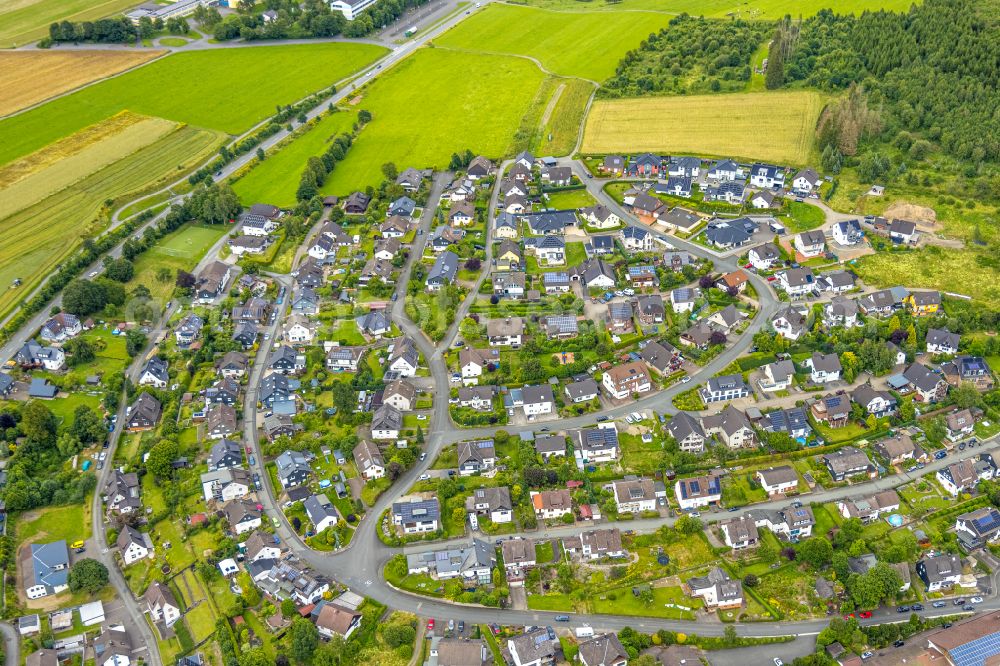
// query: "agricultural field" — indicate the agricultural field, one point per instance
point(775, 126)
point(74, 212)
point(180, 250)
point(276, 179)
point(759, 9)
point(936, 268)
point(563, 120)
point(198, 88)
point(22, 21)
point(433, 104)
point(30, 77)
point(582, 44)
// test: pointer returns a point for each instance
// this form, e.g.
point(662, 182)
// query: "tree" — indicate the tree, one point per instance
point(966, 396)
point(390, 171)
point(750, 580)
point(817, 552)
point(134, 342)
point(250, 593)
point(254, 657)
point(184, 280)
point(83, 297)
point(37, 423)
point(260, 155)
point(87, 575)
point(79, 351)
point(161, 458)
point(305, 638)
point(396, 635)
point(688, 525)
point(119, 270)
point(730, 635)
point(87, 425)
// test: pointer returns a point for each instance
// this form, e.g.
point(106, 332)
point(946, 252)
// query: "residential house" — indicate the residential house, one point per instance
point(286, 360)
point(765, 256)
point(823, 368)
point(394, 227)
point(400, 394)
point(556, 282)
point(243, 515)
point(550, 222)
point(299, 329)
point(112, 647)
point(320, 512)
point(518, 555)
point(551, 504)
point(870, 509)
point(884, 302)
point(480, 167)
point(473, 362)
point(683, 299)
point(443, 271)
point(603, 650)
point(806, 181)
point(968, 369)
point(261, 546)
point(834, 410)
point(356, 203)
point(369, 461)
point(960, 424)
point(557, 176)
point(560, 326)
point(536, 647)
point(387, 422)
point(679, 219)
point(155, 373)
point(848, 462)
point(847, 232)
point(767, 176)
point(583, 390)
point(677, 186)
point(505, 332)
point(220, 421)
point(780, 480)
point(225, 485)
point(740, 533)
point(474, 564)
point(293, 468)
point(797, 281)
point(732, 427)
point(600, 216)
point(810, 243)
point(60, 327)
point(335, 620)
point(903, 231)
point(697, 492)
point(404, 357)
point(509, 256)
point(416, 516)
point(594, 274)
point(635, 496)
point(121, 493)
point(225, 454)
point(940, 572)
point(725, 387)
point(612, 164)
point(650, 309)
point(727, 234)
point(879, 403)
point(836, 282)
point(790, 322)
point(645, 164)
point(344, 358)
point(493, 503)
point(444, 237)
point(729, 192)
point(596, 445)
point(689, 167)
point(476, 456)
point(647, 208)
point(620, 318)
point(717, 589)
point(161, 604)
point(188, 330)
point(922, 303)
point(538, 400)
point(596, 544)
point(958, 477)
point(623, 381)
point(550, 446)
point(840, 311)
point(687, 432)
point(763, 200)
point(48, 569)
point(977, 528)
point(725, 170)
point(777, 376)
point(143, 414)
point(792, 421)
point(727, 318)
point(211, 281)
point(133, 545)
point(942, 341)
point(510, 285)
point(462, 214)
point(375, 323)
point(928, 385)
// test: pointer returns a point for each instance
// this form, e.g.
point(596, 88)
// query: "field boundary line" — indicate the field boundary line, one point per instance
point(533, 59)
point(162, 54)
point(525, 5)
point(551, 106)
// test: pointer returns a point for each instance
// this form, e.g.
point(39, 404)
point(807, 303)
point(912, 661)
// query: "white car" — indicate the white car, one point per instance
point(94, 274)
point(778, 662)
point(425, 476)
point(421, 417)
point(685, 379)
point(976, 600)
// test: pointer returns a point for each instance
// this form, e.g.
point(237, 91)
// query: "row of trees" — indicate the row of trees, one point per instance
point(319, 168)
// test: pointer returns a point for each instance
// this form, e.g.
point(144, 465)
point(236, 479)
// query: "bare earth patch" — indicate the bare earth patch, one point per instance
point(922, 215)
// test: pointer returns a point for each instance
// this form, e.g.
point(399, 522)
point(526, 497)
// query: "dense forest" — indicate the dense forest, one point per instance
point(689, 55)
point(934, 70)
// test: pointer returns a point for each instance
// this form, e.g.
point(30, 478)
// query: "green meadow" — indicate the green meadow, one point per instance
point(223, 89)
point(435, 103)
point(583, 44)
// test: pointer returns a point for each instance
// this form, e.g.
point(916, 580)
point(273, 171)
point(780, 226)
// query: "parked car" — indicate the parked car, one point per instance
point(917, 607)
point(899, 644)
point(425, 476)
point(939, 604)
point(430, 624)
point(903, 609)
point(976, 600)
point(562, 618)
point(867, 654)
point(864, 615)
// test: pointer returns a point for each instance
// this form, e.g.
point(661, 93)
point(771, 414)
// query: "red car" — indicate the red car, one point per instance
point(864, 615)
point(430, 624)
point(849, 616)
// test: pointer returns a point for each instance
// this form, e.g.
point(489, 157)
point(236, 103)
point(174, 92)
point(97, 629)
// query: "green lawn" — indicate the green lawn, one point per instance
point(802, 216)
point(179, 250)
point(582, 44)
point(570, 199)
point(276, 178)
point(223, 89)
point(668, 602)
point(433, 104)
point(70, 522)
point(63, 408)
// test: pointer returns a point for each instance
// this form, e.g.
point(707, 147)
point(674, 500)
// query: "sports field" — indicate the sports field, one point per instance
point(774, 126)
point(583, 44)
point(752, 9)
point(22, 21)
point(29, 77)
point(276, 179)
point(435, 103)
point(180, 250)
point(31, 249)
point(228, 90)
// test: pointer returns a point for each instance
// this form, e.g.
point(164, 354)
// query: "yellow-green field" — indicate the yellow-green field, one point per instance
point(26, 182)
point(38, 237)
point(751, 9)
point(774, 126)
point(564, 122)
point(22, 21)
point(29, 77)
point(583, 44)
point(936, 268)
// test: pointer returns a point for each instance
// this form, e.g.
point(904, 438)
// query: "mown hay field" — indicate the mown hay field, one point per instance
point(179, 250)
point(935, 267)
point(768, 10)
point(228, 90)
point(59, 165)
point(23, 21)
point(37, 238)
point(774, 126)
point(276, 179)
point(584, 44)
point(565, 121)
point(435, 103)
point(30, 77)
